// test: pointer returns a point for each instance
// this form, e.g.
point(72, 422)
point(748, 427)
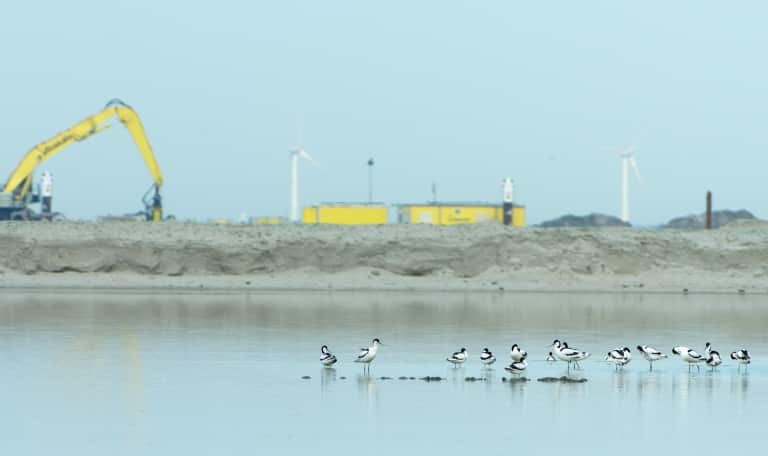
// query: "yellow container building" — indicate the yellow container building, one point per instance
point(458, 213)
point(345, 214)
point(266, 221)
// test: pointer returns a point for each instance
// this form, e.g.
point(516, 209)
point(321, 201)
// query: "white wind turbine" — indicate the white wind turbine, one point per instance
point(627, 160)
point(295, 154)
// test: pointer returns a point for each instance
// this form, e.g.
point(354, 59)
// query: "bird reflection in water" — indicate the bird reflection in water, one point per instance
point(711, 382)
point(648, 383)
point(620, 380)
point(327, 377)
point(739, 385)
point(368, 390)
point(457, 374)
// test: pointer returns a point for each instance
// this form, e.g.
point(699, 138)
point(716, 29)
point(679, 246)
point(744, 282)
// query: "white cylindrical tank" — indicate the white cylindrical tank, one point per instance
point(46, 184)
point(508, 191)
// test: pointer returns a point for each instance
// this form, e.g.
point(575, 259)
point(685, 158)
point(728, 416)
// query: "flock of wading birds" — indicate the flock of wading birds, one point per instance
point(620, 357)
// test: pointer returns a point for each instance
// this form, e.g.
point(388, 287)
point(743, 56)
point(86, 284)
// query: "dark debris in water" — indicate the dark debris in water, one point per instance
point(562, 379)
point(431, 379)
point(515, 379)
point(306, 377)
point(342, 378)
point(403, 378)
point(475, 379)
point(385, 378)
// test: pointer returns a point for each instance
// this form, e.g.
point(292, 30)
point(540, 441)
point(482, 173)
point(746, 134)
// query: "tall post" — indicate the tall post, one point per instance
point(434, 192)
point(709, 211)
point(294, 187)
point(46, 194)
point(370, 180)
point(625, 188)
point(508, 200)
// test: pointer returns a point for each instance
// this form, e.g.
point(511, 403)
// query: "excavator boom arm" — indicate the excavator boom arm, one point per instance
point(82, 130)
point(130, 119)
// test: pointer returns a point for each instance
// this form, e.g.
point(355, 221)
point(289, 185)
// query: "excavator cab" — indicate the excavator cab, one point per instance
point(153, 204)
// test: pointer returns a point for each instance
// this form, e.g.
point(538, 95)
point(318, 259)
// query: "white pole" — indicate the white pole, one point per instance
point(625, 188)
point(294, 187)
point(508, 195)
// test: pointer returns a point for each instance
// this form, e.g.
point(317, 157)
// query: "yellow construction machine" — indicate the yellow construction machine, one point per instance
point(18, 194)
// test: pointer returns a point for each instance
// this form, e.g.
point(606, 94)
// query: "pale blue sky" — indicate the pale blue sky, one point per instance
point(459, 93)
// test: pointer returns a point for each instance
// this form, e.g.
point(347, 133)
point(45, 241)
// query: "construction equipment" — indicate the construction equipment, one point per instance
point(18, 194)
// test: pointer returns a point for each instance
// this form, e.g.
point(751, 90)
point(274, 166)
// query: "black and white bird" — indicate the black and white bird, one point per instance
point(714, 360)
point(517, 367)
point(620, 357)
point(487, 358)
point(458, 357)
point(550, 358)
point(707, 349)
point(326, 357)
point(614, 355)
point(517, 353)
point(689, 356)
point(563, 352)
point(367, 355)
point(650, 354)
point(742, 356)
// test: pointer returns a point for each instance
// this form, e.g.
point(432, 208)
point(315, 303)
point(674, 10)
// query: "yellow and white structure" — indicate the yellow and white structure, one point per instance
point(266, 220)
point(438, 213)
point(345, 214)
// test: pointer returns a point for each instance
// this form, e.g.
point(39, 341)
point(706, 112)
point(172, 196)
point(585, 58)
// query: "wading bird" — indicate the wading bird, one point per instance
point(517, 353)
point(650, 354)
point(550, 358)
point(517, 367)
point(563, 352)
point(742, 356)
point(487, 358)
point(714, 359)
point(326, 357)
point(689, 356)
point(620, 357)
point(458, 357)
point(367, 355)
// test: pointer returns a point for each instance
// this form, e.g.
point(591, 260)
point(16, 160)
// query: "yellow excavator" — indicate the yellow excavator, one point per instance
point(18, 194)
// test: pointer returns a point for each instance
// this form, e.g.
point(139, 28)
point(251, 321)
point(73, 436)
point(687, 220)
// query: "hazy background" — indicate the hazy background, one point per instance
point(457, 93)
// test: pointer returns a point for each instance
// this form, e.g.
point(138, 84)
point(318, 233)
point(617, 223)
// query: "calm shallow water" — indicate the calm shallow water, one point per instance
point(196, 374)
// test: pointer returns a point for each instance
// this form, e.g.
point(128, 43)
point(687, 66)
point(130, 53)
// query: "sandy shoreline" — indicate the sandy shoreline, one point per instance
point(179, 257)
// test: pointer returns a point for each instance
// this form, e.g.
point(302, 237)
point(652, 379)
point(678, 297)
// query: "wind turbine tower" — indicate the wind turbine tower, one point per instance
point(295, 154)
point(627, 161)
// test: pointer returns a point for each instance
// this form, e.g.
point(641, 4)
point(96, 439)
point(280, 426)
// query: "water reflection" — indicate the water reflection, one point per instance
point(327, 377)
point(739, 385)
point(682, 386)
point(649, 382)
point(489, 374)
point(368, 391)
point(457, 374)
point(710, 381)
point(620, 380)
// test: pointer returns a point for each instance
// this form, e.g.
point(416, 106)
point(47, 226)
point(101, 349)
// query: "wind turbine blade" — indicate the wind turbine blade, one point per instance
point(633, 162)
point(303, 154)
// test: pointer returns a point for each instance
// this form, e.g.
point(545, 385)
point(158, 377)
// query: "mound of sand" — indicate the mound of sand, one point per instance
point(483, 256)
point(584, 221)
point(719, 218)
